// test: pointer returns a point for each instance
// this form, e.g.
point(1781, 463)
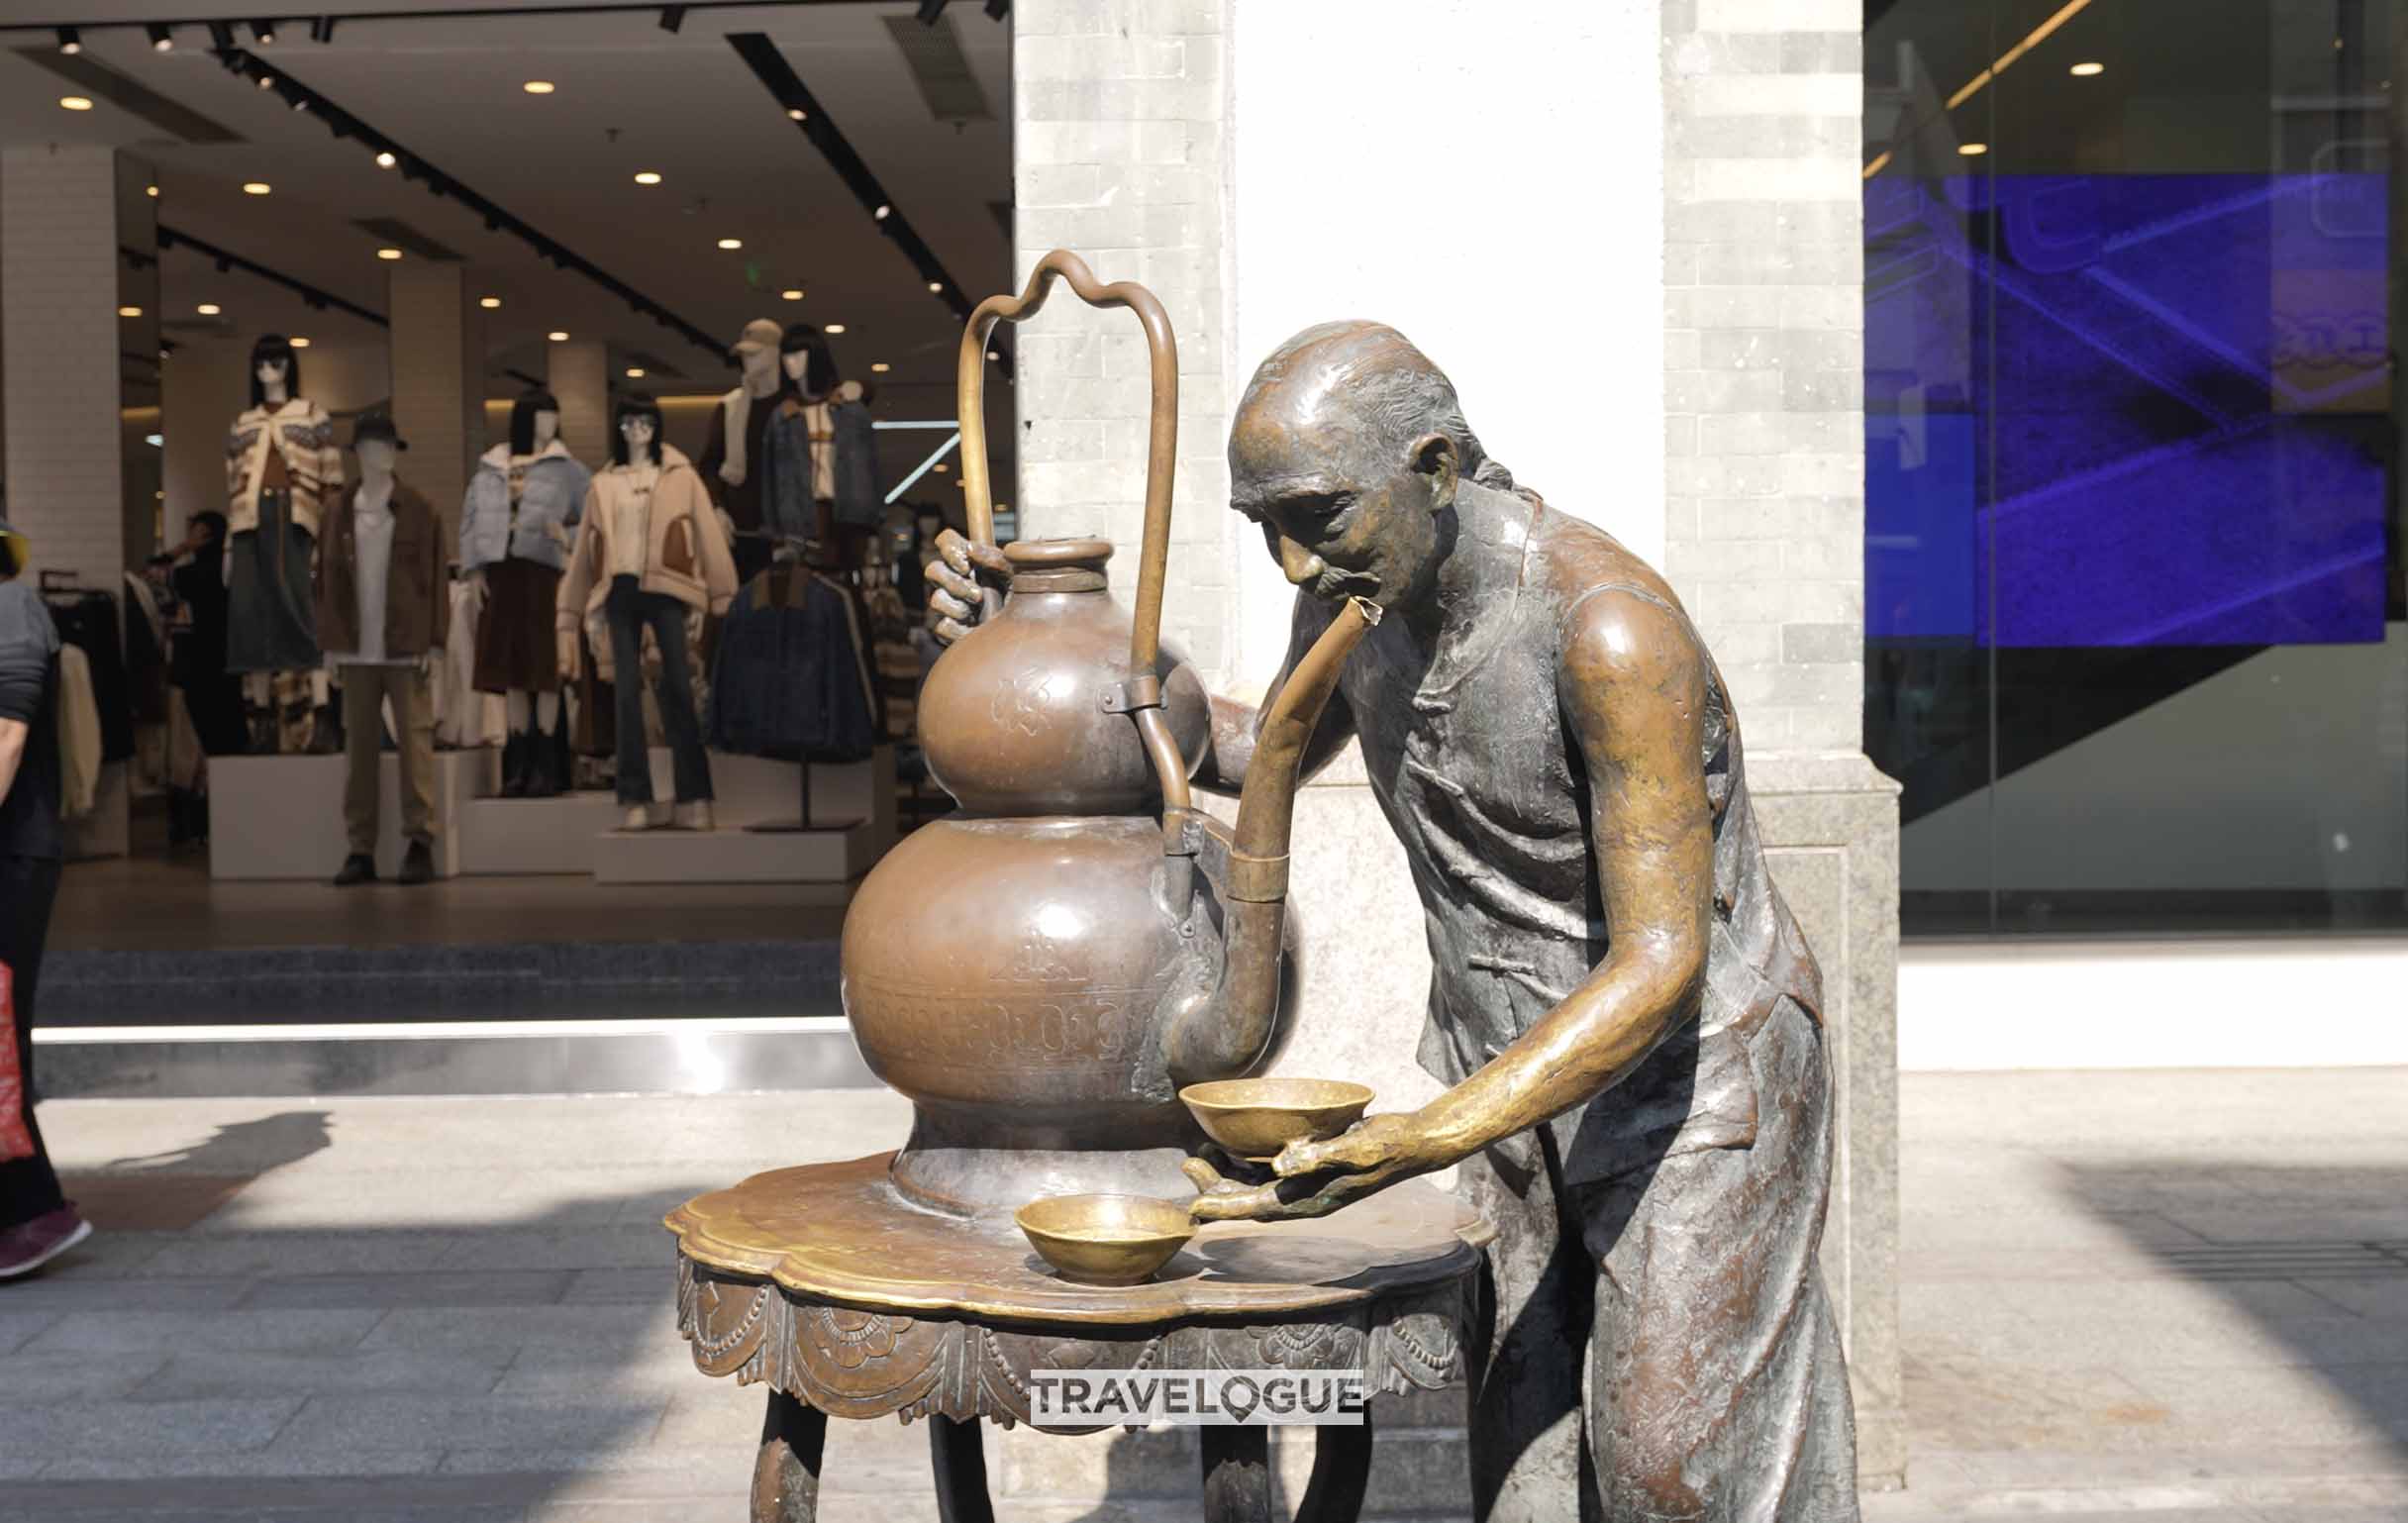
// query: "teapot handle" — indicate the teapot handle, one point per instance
point(1163, 437)
point(1144, 697)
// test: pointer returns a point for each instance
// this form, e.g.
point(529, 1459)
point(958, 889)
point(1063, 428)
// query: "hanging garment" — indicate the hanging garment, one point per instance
point(789, 680)
point(145, 652)
point(271, 623)
point(78, 735)
point(89, 620)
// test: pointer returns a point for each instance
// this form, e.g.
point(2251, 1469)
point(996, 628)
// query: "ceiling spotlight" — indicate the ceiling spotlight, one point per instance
point(1972, 150)
point(556, 335)
point(635, 373)
point(129, 311)
point(300, 103)
point(208, 309)
point(538, 87)
point(297, 341)
point(386, 161)
point(152, 191)
point(797, 114)
point(930, 10)
point(388, 254)
point(70, 42)
point(265, 81)
point(2086, 70)
point(256, 187)
point(163, 36)
point(937, 286)
point(672, 16)
point(880, 368)
point(883, 212)
point(994, 354)
point(75, 102)
point(648, 176)
point(792, 293)
point(730, 243)
point(939, 467)
point(264, 31)
point(833, 328)
point(489, 302)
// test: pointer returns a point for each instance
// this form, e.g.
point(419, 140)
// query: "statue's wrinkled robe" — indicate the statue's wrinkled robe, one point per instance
point(1656, 1257)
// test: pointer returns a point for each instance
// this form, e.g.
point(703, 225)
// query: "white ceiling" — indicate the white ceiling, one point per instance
point(630, 97)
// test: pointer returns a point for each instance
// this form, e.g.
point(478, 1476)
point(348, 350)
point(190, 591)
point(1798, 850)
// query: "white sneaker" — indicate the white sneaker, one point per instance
point(639, 816)
point(695, 815)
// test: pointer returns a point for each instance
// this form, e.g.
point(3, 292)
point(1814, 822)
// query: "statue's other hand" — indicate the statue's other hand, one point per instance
point(954, 573)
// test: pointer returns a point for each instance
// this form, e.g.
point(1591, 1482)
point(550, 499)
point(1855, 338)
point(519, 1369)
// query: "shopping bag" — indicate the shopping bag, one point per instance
point(15, 1140)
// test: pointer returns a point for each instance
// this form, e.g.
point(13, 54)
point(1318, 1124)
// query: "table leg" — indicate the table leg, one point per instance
point(959, 1452)
point(1236, 1474)
point(1341, 1471)
point(786, 1474)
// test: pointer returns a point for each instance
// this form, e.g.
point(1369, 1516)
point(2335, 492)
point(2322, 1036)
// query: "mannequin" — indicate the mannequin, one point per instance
point(820, 454)
point(733, 463)
point(382, 601)
point(650, 552)
point(515, 525)
point(282, 465)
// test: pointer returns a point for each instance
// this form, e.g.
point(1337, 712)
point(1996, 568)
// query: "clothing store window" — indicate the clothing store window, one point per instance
point(2133, 610)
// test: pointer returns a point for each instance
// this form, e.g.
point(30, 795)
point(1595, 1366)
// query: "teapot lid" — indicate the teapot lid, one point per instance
point(1058, 566)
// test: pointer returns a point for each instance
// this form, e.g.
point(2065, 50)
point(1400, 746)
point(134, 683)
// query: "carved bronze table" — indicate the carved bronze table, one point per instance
point(846, 1301)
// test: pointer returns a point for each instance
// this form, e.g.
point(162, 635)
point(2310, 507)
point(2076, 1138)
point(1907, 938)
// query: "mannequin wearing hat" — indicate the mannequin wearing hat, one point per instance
point(734, 459)
point(381, 604)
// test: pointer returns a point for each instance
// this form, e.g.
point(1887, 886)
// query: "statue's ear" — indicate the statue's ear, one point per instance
point(1433, 456)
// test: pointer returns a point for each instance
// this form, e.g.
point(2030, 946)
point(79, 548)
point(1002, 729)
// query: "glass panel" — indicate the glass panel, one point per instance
point(2168, 563)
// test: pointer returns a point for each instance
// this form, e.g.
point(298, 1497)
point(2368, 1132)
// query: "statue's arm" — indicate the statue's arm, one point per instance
point(1633, 686)
point(1234, 723)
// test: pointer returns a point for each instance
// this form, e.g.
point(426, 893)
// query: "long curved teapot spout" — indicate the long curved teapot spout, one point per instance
point(1227, 1032)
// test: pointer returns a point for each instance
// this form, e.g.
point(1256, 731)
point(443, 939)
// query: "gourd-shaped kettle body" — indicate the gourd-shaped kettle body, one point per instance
point(1041, 972)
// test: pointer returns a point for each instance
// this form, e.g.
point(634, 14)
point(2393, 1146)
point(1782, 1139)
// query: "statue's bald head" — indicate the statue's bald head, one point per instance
point(1347, 447)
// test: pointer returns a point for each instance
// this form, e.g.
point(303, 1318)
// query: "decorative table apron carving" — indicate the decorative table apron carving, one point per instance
point(827, 1285)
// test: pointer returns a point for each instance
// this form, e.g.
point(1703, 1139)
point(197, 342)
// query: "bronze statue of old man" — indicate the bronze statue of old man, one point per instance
point(1621, 1004)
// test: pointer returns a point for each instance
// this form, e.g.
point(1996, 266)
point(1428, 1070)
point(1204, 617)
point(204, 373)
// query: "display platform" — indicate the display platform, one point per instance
point(281, 817)
point(833, 854)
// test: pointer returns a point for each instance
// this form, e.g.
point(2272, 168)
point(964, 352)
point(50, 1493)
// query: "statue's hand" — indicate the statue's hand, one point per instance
point(954, 597)
point(1316, 1178)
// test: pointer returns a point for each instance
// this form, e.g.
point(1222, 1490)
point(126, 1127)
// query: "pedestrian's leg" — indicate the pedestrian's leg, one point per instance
point(414, 712)
point(677, 716)
point(1528, 1325)
point(626, 680)
point(362, 698)
point(29, 1187)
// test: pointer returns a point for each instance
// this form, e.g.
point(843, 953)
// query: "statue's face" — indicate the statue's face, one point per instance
point(1342, 514)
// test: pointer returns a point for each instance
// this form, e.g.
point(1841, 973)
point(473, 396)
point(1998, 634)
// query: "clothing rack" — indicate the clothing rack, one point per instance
point(795, 557)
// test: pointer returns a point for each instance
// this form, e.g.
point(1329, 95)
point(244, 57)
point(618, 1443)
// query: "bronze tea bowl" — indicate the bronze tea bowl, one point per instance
point(1253, 1118)
point(1105, 1240)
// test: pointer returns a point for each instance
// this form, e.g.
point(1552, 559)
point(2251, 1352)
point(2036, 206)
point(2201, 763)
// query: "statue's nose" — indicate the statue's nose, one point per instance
point(1300, 564)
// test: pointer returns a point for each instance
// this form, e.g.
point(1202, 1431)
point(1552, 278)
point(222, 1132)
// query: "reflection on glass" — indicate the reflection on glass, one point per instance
point(2132, 589)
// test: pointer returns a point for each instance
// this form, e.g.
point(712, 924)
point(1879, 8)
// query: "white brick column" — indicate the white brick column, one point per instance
point(579, 375)
point(439, 380)
point(1118, 156)
point(58, 305)
point(1764, 540)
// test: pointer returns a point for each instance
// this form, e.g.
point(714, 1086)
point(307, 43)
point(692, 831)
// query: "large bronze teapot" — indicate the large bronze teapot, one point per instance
point(1041, 972)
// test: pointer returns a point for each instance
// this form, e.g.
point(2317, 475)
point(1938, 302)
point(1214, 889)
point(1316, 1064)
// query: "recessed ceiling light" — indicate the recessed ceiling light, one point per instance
point(488, 302)
point(538, 87)
point(730, 243)
point(635, 373)
point(385, 160)
point(129, 311)
point(2086, 70)
point(833, 328)
point(556, 335)
point(256, 187)
point(152, 191)
point(297, 341)
point(793, 293)
point(994, 354)
point(1972, 150)
point(207, 309)
point(265, 81)
point(940, 465)
point(796, 114)
point(938, 286)
point(388, 254)
point(880, 368)
point(648, 176)
point(76, 102)
point(883, 212)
